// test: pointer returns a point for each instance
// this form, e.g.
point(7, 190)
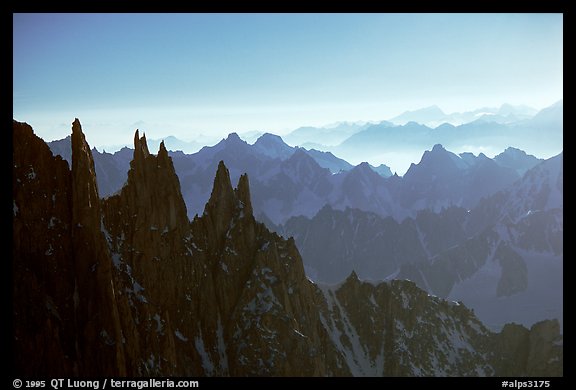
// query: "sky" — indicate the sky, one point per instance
point(212, 74)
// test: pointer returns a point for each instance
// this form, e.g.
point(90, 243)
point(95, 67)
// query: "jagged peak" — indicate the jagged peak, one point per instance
point(352, 278)
point(162, 152)
point(136, 139)
point(76, 126)
point(270, 138)
point(80, 148)
point(300, 155)
point(222, 192)
point(364, 169)
point(226, 204)
point(234, 139)
point(85, 188)
point(513, 153)
point(222, 173)
point(243, 194)
point(438, 148)
point(140, 146)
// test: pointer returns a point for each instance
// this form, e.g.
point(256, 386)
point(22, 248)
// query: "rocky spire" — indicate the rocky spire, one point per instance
point(41, 263)
point(140, 146)
point(87, 264)
point(243, 194)
point(93, 266)
point(152, 192)
point(220, 207)
point(85, 189)
point(163, 158)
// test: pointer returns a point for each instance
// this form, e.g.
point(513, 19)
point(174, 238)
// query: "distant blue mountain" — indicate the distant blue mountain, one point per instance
point(507, 126)
point(331, 135)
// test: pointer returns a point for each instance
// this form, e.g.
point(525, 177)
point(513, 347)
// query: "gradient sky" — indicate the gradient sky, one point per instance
point(184, 75)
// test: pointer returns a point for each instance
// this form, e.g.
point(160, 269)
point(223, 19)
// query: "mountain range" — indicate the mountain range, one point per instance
point(291, 181)
point(424, 226)
point(127, 285)
point(500, 257)
point(433, 116)
point(542, 132)
point(488, 128)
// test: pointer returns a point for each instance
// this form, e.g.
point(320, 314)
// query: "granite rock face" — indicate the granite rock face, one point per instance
point(65, 307)
point(127, 285)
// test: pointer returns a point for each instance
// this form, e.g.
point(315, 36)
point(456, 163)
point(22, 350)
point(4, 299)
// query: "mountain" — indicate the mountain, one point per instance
point(433, 116)
point(382, 169)
point(385, 136)
point(169, 296)
point(440, 179)
point(362, 188)
point(541, 189)
point(329, 135)
point(550, 117)
point(399, 330)
point(274, 147)
point(127, 286)
point(521, 111)
point(335, 164)
point(66, 313)
point(443, 179)
point(517, 159)
point(267, 157)
point(527, 223)
point(251, 136)
point(174, 144)
point(333, 243)
point(422, 116)
point(490, 128)
point(502, 256)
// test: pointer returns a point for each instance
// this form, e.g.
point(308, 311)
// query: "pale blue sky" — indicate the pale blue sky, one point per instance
point(216, 73)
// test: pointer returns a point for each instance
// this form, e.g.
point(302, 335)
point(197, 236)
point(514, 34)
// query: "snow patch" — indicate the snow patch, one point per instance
point(180, 335)
point(206, 361)
point(159, 325)
point(221, 347)
point(339, 327)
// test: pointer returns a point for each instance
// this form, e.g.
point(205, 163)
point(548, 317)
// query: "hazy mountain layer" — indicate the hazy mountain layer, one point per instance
point(291, 181)
point(497, 257)
point(541, 134)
